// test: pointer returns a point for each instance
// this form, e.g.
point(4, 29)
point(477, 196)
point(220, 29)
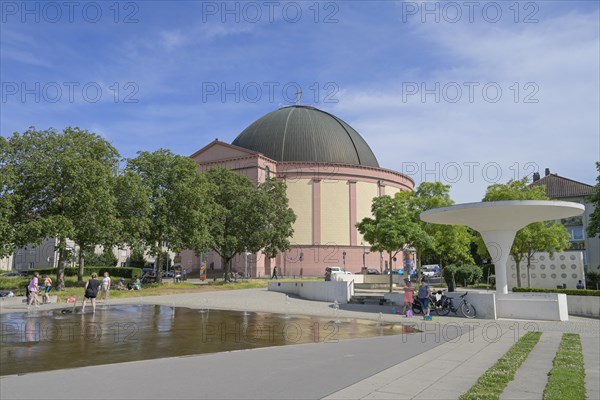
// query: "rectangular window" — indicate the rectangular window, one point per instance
point(576, 232)
point(31, 265)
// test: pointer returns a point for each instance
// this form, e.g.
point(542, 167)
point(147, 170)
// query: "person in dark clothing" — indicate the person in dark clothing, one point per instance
point(274, 272)
point(91, 291)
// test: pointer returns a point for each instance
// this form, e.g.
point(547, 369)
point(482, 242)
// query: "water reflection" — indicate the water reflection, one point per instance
point(48, 340)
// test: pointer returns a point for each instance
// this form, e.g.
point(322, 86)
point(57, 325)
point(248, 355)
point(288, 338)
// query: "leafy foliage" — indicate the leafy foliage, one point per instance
point(593, 228)
point(468, 273)
point(248, 217)
point(105, 259)
point(178, 206)
point(573, 292)
point(59, 185)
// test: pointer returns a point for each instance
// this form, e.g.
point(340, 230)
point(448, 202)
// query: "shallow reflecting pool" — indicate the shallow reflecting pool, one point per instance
point(43, 340)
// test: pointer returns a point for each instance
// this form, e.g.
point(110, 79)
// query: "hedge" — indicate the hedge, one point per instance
point(461, 273)
point(122, 272)
point(572, 292)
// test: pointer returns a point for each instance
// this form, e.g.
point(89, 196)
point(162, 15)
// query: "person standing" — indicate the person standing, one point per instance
point(327, 274)
point(33, 289)
point(274, 276)
point(91, 291)
point(47, 289)
point(408, 296)
point(424, 297)
point(105, 288)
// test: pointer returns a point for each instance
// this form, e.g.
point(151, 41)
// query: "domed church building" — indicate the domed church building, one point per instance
point(332, 177)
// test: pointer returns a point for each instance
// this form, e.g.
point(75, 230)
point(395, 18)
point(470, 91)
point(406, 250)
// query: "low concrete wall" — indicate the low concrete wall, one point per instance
point(484, 303)
point(585, 306)
point(534, 306)
point(356, 278)
point(368, 279)
point(320, 291)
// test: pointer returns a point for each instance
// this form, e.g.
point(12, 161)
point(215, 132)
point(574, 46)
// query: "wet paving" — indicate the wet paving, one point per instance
point(43, 340)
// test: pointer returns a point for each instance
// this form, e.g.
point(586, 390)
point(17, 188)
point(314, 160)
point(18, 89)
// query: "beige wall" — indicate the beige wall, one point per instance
point(299, 193)
point(365, 192)
point(391, 191)
point(335, 213)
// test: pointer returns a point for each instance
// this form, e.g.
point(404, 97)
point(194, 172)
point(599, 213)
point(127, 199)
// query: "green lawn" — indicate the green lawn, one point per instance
point(492, 383)
point(566, 380)
point(75, 289)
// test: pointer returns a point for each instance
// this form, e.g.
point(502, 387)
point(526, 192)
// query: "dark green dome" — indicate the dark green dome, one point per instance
point(303, 133)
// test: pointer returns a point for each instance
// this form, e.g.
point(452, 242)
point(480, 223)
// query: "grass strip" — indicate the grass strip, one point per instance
point(566, 379)
point(492, 383)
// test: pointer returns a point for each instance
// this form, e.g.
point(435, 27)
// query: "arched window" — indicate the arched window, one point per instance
point(267, 173)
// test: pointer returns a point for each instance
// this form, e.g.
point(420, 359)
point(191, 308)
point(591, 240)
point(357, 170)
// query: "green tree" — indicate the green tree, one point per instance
point(57, 179)
point(450, 243)
point(7, 210)
point(593, 228)
point(248, 217)
point(105, 259)
point(136, 259)
point(539, 236)
point(179, 209)
point(393, 226)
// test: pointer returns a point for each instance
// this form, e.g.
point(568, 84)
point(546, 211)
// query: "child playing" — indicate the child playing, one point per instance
point(408, 296)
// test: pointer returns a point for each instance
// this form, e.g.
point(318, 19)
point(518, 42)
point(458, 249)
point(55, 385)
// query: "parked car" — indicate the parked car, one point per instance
point(431, 270)
point(10, 274)
point(398, 272)
point(338, 270)
point(373, 271)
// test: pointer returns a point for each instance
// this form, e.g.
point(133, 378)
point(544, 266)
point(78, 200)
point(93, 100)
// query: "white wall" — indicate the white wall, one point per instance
point(548, 272)
point(587, 306)
point(320, 291)
point(534, 306)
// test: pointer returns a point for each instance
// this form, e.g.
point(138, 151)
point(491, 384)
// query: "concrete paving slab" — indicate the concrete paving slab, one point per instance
point(531, 378)
point(591, 358)
point(349, 369)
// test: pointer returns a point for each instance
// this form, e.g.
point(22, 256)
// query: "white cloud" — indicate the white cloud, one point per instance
point(557, 59)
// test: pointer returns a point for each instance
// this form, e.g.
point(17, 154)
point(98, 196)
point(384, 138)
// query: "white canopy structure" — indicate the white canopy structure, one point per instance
point(498, 223)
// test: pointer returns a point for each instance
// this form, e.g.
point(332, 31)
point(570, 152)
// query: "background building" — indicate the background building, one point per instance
point(560, 188)
point(332, 177)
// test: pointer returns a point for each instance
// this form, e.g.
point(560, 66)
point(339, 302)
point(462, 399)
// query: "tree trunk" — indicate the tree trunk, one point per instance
point(81, 264)
point(60, 274)
point(518, 273)
point(225, 262)
point(391, 272)
point(159, 266)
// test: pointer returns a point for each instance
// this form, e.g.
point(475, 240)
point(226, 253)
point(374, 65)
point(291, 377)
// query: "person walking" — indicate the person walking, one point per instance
point(33, 288)
point(408, 297)
point(274, 276)
point(91, 291)
point(105, 288)
point(424, 290)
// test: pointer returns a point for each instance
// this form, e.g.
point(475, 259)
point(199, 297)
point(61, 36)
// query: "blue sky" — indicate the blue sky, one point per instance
point(469, 95)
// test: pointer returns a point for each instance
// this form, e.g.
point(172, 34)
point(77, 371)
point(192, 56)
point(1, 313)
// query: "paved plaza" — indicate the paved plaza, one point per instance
point(441, 362)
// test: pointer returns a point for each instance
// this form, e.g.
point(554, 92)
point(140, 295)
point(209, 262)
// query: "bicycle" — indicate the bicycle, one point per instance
point(418, 309)
point(466, 308)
